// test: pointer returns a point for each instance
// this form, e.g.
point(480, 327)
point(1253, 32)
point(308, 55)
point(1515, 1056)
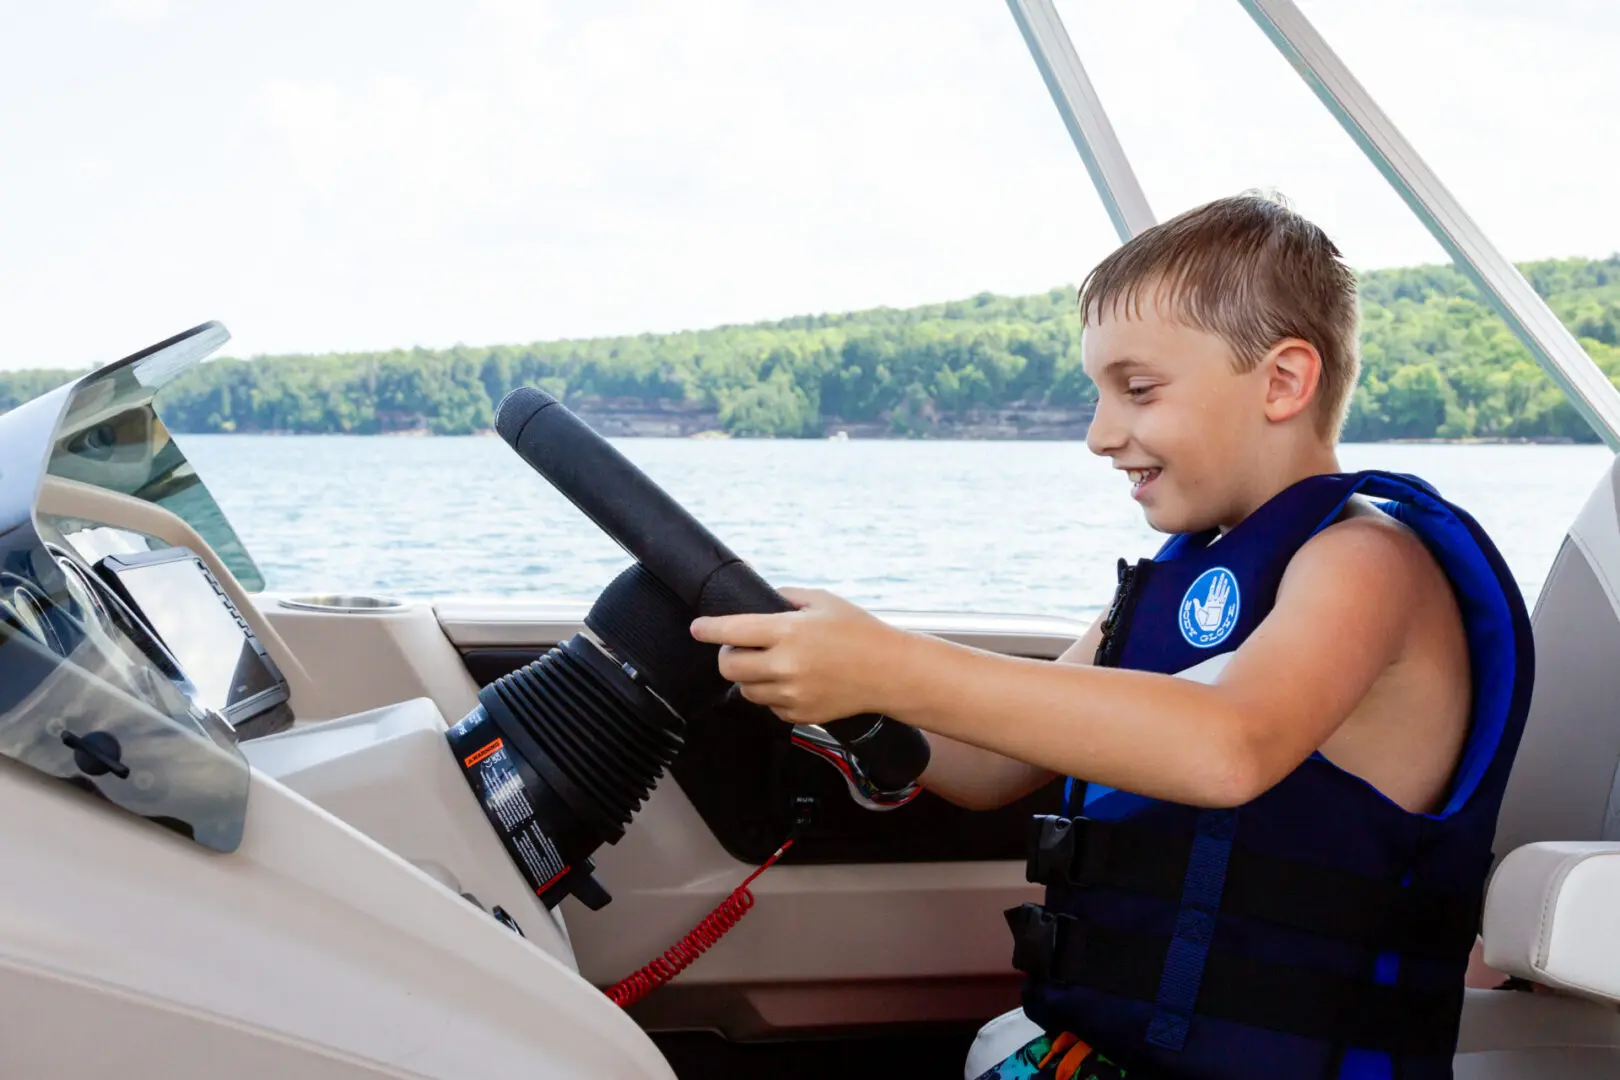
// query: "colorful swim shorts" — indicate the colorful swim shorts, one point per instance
point(1063, 1057)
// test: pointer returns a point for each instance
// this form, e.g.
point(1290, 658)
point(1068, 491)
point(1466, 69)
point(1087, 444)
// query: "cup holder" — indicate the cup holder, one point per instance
point(343, 603)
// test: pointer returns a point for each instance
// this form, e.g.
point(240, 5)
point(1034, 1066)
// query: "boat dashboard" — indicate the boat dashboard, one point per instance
point(166, 603)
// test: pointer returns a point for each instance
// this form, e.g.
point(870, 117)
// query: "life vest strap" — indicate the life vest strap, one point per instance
point(1062, 950)
point(1384, 916)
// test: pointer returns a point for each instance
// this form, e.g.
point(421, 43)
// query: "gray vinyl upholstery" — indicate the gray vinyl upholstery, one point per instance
point(1563, 785)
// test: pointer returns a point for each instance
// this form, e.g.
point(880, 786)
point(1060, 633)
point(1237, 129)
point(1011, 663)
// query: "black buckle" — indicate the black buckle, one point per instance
point(1066, 851)
point(1035, 933)
point(1051, 850)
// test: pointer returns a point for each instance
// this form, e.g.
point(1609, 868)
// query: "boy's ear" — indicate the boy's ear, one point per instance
point(1293, 370)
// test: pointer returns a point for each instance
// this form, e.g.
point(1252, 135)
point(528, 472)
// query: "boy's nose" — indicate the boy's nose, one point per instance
point(1106, 434)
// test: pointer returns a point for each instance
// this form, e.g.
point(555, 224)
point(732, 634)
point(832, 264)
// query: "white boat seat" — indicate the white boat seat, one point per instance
point(1552, 916)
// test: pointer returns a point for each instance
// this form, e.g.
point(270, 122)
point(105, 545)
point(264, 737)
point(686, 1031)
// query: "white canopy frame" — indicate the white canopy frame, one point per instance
point(1498, 280)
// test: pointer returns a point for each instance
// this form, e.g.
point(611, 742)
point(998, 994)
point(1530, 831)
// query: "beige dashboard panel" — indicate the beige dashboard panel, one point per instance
point(366, 659)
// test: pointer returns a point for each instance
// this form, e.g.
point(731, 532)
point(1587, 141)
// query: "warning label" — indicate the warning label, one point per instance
point(480, 755)
point(540, 858)
point(503, 791)
point(505, 800)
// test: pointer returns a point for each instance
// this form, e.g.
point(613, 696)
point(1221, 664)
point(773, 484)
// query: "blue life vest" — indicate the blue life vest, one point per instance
point(1320, 930)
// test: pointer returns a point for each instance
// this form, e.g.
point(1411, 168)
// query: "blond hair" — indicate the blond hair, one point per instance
point(1251, 270)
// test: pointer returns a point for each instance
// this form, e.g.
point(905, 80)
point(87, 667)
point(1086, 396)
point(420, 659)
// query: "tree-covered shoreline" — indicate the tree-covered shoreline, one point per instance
point(1437, 364)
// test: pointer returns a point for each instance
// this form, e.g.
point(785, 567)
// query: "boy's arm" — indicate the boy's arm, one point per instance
point(1339, 622)
point(981, 779)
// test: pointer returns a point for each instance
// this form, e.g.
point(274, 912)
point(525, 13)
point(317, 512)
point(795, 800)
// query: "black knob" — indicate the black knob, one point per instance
point(97, 753)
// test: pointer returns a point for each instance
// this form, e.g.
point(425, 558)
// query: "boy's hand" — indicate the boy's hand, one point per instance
point(822, 662)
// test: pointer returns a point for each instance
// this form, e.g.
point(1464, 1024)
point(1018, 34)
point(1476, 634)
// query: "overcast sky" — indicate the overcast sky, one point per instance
point(364, 174)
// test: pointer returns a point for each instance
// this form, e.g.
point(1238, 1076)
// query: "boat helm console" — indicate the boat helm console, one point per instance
point(562, 752)
point(134, 668)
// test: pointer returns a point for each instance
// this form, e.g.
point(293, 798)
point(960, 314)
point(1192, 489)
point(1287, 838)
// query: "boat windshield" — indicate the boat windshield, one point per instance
point(111, 437)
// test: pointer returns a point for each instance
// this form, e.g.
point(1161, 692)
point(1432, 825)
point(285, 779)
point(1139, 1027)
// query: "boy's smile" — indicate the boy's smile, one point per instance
point(1140, 479)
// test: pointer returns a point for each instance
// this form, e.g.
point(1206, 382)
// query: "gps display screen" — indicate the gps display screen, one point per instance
point(191, 618)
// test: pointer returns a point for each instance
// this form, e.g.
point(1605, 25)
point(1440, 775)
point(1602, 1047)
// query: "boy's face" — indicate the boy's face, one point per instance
point(1173, 410)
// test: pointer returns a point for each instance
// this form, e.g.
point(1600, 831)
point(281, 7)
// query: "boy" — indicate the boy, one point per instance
point(1289, 734)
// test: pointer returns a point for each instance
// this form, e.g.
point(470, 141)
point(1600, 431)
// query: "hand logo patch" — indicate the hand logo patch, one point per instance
point(1209, 610)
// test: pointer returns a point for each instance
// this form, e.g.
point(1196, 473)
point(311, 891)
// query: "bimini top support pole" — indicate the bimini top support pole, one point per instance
point(1083, 115)
point(1498, 280)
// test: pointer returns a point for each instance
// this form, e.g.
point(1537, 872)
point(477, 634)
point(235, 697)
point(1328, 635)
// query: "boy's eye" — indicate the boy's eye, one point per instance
point(1136, 390)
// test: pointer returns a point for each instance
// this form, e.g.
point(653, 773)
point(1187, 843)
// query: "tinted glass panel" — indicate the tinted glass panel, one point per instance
point(112, 438)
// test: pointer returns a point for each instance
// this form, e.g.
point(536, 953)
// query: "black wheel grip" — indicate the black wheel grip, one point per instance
point(891, 753)
point(607, 487)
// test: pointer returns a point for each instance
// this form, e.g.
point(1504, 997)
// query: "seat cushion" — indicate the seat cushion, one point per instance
point(1552, 915)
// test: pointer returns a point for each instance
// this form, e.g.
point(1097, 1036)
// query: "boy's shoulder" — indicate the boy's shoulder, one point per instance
point(1371, 548)
point(1367, 581)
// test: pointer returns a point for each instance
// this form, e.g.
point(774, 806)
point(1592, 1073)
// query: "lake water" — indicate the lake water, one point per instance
point(1024, 527)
